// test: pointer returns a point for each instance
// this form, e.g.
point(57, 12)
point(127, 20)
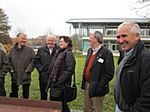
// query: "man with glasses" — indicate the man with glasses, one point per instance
point(132, 86)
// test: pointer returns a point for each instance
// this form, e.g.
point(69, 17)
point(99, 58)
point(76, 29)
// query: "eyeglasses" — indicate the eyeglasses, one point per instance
point(123, 35)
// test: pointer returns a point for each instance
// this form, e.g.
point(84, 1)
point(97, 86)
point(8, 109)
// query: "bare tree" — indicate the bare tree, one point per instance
point(77, 42)
point(142, 8)
point(19, 30)
point(48, 31)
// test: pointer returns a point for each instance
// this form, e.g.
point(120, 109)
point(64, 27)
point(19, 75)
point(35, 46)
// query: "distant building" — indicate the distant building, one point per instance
point(108, 26)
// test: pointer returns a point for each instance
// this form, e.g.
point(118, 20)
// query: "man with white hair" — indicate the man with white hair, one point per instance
point(42, 61)
point(132, 87)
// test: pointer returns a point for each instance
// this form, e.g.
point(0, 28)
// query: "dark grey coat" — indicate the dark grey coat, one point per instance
point(135, 80)
point(21, 63)
point(4, 67)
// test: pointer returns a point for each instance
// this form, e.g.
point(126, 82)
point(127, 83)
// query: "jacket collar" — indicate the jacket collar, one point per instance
point(47, 49)
point(97, 57)
point(139, 46)
point(17, 48)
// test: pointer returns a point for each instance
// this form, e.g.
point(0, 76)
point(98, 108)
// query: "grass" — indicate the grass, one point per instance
point(109, 104)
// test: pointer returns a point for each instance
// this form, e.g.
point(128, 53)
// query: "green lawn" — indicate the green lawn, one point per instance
point(109, 104)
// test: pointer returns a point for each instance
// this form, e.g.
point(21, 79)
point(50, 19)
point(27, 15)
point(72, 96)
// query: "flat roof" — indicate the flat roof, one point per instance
point(107, 20)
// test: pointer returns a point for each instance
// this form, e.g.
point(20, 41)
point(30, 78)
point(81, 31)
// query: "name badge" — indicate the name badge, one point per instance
point(100, 60)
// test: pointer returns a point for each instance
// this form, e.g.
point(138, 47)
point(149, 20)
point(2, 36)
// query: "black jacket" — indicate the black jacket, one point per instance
point(42, 62)
point(100, 73)
point(62, 72)
point(135, 80)
point(4, 66)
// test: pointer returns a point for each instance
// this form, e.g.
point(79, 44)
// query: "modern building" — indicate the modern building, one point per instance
point(108, 26)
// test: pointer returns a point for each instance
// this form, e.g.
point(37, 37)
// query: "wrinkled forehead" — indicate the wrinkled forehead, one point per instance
point(50, 39)
point(126, 25)
point(92, 34)
point(123, 29)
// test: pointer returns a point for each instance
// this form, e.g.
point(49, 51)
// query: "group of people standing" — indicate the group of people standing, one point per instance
point(132, 85)
point(56, 65)
point(19, 62)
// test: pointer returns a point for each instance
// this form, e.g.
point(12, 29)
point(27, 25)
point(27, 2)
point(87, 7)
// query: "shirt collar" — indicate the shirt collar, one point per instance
point(95, 50)
point(127, 54)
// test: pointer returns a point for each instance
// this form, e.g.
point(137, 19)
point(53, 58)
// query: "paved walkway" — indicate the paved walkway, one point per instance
point(76, 111)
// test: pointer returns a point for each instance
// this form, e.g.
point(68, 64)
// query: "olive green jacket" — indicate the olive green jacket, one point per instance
point(21, 64)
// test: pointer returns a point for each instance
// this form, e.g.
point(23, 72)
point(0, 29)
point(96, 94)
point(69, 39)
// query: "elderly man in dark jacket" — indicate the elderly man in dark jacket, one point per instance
point(98, 71)
point(4, 67)
point(42, 62)
point(21, 63)
point(132, 87)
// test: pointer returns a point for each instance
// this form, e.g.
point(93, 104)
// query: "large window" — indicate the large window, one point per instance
point(110, 32)
point(111, 46)
point(93, 30)
point(114, 47)
point(145, 32)
point(84, 33)
point(106, 45)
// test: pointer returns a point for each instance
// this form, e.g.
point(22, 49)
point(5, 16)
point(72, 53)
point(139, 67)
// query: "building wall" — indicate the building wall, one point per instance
point(108, 27)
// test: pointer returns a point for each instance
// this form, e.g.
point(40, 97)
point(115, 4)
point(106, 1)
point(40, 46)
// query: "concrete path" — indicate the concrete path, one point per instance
point(76, 111)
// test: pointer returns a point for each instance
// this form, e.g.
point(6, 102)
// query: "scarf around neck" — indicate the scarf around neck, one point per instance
point(56, 65)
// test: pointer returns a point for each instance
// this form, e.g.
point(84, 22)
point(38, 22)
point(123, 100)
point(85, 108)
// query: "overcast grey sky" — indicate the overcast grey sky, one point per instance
point(37, 16)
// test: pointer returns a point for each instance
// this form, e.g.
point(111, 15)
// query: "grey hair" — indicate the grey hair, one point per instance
point(134, 27)
point(51, 36)
point(99, 36)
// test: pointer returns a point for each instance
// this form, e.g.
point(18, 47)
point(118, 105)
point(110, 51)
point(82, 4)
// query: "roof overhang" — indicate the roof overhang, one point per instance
point(107, 21)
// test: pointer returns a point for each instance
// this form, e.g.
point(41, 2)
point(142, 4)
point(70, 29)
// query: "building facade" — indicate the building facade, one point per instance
point(108, 26)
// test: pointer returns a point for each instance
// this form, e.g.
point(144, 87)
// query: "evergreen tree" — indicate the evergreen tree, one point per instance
point(4, 28)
